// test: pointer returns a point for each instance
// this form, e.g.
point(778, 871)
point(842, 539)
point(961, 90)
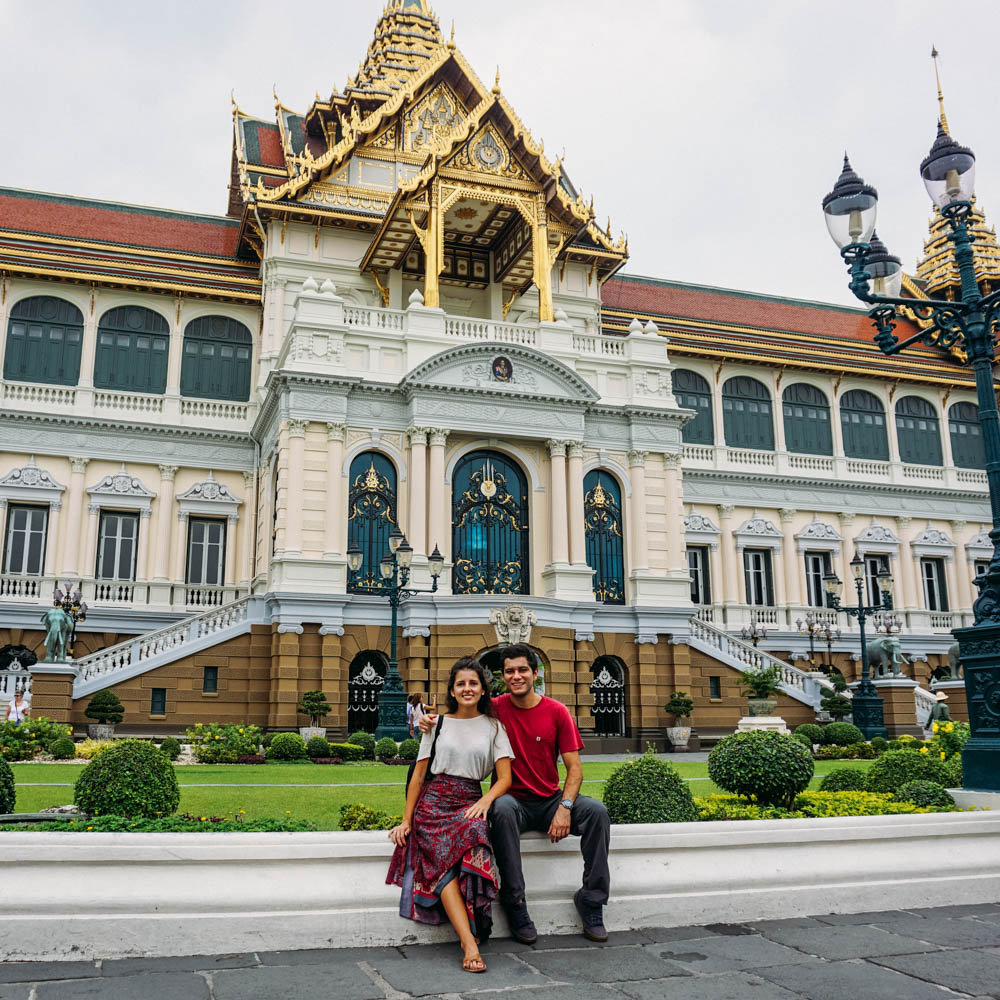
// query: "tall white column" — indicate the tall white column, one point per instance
point(74, 516)
point(88, 346)
point(175, 350)
point(417, 528)
point(557, 498)
point(164, 523)
point(52, 535)
point(674, 483)
point(335, 434)
point(964, 572)
point(639, 558)
point(180, 548)
point(909, 567)
point(142, 546)
point(718, 421)
point(728, 588)
point(793, 594)
point(440, 516)
point(294, 486)
point(779, 421)
point(88, 542)
point(233, 534)
point(847, 547)
point(577, 533)
point(246, 557)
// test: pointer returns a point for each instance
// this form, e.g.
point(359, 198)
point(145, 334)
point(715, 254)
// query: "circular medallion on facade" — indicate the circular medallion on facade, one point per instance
point(487, 153)
point(503, 370)
point(488, 488)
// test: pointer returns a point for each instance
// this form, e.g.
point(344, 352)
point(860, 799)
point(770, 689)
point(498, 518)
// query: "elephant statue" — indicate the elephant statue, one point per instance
point(954, 662)
point(885, 657)
point(59, 629)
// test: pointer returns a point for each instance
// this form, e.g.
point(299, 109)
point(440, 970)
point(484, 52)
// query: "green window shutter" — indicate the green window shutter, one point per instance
point(967, 450)
point(862, 420)
point(216, 359)
point(44, 337)
point(917, 432)
point(806, 414)
point(133, 344)
point(693, 393)
point(746, 414)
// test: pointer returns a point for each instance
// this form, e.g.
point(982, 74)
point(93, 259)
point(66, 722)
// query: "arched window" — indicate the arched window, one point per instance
point(489, 526)
point(602, 518)
point(608, 689)
point(807, 420)
point(693, 393)
point(132, 347)
point(917, 432)
point(966, 436)
point(366, 678)
point(216, 363)
point(746, 414)
point(862, 419)
point(43, 341)
point(371, 516)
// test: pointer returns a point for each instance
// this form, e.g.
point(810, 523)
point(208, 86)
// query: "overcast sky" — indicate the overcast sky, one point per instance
point(708, 130)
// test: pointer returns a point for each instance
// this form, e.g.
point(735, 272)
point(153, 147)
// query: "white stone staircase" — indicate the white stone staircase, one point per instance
point(925, 702)
point(135, 656)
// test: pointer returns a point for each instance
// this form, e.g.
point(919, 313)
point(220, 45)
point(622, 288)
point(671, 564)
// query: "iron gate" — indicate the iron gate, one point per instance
point(608, 689)
point(364, 689)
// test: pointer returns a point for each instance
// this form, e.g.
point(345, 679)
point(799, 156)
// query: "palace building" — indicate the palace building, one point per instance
point(409, 317)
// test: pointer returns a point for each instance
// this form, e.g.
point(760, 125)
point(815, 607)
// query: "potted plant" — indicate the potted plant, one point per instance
point(106, 711)
point(760, 685)
point(680, 707)
point(315, 705)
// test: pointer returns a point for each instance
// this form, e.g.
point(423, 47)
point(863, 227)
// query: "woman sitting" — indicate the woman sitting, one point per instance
point(446, 868)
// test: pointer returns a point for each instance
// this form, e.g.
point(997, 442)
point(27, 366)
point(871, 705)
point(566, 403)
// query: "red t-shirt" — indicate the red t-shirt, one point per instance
point(537, 736)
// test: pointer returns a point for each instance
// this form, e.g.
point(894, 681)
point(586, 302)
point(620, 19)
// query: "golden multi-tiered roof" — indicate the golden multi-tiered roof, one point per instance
point(937, 272)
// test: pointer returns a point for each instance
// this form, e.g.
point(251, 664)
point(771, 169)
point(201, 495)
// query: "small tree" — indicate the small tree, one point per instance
point(680, 705)
point(105, 708)
point(761, 682)
point(836, 704)
point(315, 705)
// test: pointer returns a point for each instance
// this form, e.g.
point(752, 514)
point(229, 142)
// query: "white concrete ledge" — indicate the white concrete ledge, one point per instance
point(114, 895)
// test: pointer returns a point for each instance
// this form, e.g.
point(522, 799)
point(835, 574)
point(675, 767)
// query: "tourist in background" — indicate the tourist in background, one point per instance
point(17, 710)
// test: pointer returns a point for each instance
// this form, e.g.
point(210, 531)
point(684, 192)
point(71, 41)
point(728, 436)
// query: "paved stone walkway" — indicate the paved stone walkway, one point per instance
point(932, 954)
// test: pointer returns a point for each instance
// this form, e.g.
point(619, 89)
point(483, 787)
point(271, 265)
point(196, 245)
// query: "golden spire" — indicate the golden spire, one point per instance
point(937, 77)
point(496, 85)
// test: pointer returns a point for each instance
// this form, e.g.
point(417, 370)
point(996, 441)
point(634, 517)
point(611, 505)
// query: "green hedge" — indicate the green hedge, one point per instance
point(215, 744)
point(318, 747)
point(409, 749)
point(385, 748)
point(131, 778)
point(171, 748)
point(287, 746)
point(7, 793)
point(925, 793)
point(844, 779)
point(648, 790)
point(357, 816)
point(364, 740)
point(351, 753)
point(62, 748)
point(812, 730)
point(842, 734)
point(896, 767)
point(768, 767)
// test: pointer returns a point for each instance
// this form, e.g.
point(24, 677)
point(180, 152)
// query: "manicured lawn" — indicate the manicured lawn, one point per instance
point(308, 791)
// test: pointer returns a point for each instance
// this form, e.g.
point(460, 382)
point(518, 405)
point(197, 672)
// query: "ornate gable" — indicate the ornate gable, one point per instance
point(121, 489)
point(433, 118)
point(487, 152)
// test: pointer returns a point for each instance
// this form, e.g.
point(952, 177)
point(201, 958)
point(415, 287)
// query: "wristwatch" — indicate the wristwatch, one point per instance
point(567, 804)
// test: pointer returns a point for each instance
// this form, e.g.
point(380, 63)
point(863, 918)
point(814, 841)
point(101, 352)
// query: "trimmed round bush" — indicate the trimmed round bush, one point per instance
point(844, 779)
point(897, 767)
point(768, 767)
point(171, 747)
point(895, 744)
point(879, 744)
point(386, 747)
point(409, 749)
point(804, 740)
point(811, 730)
point(349, 751)
point(925, 794)
point(62, 748)
point(953, 768)
point(288, 746)
point(364, 740)
point(7, 794)
point(318, 747)
point(130, 778)
point(648, 790)
point(842, 734)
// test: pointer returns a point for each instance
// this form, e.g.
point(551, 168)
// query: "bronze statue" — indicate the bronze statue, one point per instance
point(59, 626)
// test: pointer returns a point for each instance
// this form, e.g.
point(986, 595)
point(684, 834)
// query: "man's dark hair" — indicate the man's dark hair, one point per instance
point(517, 650)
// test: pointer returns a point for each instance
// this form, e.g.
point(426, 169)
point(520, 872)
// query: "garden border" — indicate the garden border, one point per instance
point(94, 895)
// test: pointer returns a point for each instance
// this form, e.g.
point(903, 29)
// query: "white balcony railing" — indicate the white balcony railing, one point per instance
point(487, 329)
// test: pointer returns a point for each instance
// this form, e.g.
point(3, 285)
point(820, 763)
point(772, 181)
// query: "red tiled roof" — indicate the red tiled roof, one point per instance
point(58, 215)
point(269, 141)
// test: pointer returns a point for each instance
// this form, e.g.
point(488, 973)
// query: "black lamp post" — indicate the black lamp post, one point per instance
point(394, 568)
point(969, 323)
point(867, 705)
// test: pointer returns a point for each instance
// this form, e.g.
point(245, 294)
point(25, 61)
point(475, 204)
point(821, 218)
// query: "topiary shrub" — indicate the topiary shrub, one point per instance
point(366, 741)
point(350, 752)
point(804, 740)
point(812, 730)
point(62, 748)
point(7, 793)
point(409, 749)
point(879, 744)
point(315, 705)
point(842, 734)
point(356, 816)
point(768, 767)
point(287, 746)
point(896, 767)
point(844, 779)
point(105, 708)
point(318, 747)
point(648, 790)
point(953, 768)
point(925, 794)
point(171, 748)
point(386, 747)
point(131, 778)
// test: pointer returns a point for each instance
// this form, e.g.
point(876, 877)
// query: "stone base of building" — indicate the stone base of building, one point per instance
point(899, 712)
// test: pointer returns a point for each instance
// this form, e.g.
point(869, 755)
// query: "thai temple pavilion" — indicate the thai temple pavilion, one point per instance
point(410, 318)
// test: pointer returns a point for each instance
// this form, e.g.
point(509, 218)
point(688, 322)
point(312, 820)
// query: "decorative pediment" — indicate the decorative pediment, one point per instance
point(876, 538)
point(818, 536)
point(979, 546)
point(209, 497)
point(932, 543)
point(121, 489)
point(699, 530)
point(757, 532)
point(434, 117)
point(28, 482)
point(487, 152)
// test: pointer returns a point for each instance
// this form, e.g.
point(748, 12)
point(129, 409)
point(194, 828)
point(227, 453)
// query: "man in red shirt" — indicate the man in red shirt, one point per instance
point(541, 729)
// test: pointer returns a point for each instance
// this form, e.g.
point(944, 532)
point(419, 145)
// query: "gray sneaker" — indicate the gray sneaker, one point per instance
point(593, 919)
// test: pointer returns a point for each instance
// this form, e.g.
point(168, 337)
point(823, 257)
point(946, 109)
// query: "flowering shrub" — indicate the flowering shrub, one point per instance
point(215, 744)
point(357, 816)
point(30, 738)
point(948, 739)
point(856, 751)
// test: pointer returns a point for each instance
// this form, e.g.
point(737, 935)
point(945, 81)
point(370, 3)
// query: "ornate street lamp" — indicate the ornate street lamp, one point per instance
point(817, 629)
point(72, 602)
point(969, 323)
point(755, 632)
point(829, 636)
point(394, 568)
point(867, 705)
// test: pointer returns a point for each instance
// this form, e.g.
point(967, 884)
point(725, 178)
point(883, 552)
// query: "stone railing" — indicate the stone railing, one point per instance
point(133, 651)
point(606, 346)
point(9, 682)
point(48, 396)
point(745, 457)
point(374, 319)
point(868, 469)
point(932, 473)
point(35, 589)
point(492, 330)
point(128, 403)
point(215, 410)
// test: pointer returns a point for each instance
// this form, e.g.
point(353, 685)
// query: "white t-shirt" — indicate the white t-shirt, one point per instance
point(467, 748)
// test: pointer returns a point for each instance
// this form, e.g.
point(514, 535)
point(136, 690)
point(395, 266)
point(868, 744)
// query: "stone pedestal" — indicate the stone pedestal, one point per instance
point(52, 691)
point(770, 722)
point(566, 582)
point(979, 651)
point(899, 708)
point(958, 707)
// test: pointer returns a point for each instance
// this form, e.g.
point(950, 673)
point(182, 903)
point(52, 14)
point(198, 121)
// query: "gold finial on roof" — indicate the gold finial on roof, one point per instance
point(232, 98)
point(937, 77)
point(496, 85)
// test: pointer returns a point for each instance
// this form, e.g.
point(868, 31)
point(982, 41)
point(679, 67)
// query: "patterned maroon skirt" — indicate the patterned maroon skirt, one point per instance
point(444, 845)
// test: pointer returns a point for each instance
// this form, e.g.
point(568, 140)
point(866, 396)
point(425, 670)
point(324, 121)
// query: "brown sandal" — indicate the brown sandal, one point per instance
point(467, 963)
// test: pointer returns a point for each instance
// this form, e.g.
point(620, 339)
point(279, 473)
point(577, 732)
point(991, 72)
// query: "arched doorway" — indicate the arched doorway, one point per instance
point(489, 526)
point(608, 689)
point(366, 677)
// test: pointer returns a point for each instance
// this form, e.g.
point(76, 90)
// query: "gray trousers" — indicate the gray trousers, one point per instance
point(510, 817)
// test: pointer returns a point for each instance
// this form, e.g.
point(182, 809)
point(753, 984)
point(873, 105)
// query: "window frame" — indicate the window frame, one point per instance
point(701, 574)
point(911, 437)
point(872, 444)
point(875, 563)
point(209, 522)
point(206, 687)
point(966, 437)
point(48, 369)
point(806, 420)
point(746, 414)
point(116, 364)
point(935, 584)
point(218, 378)
point(764, 575)
point(9, 528)
point(688, 392)
point(105, 515)
point(155, 695)
point(815, 589)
